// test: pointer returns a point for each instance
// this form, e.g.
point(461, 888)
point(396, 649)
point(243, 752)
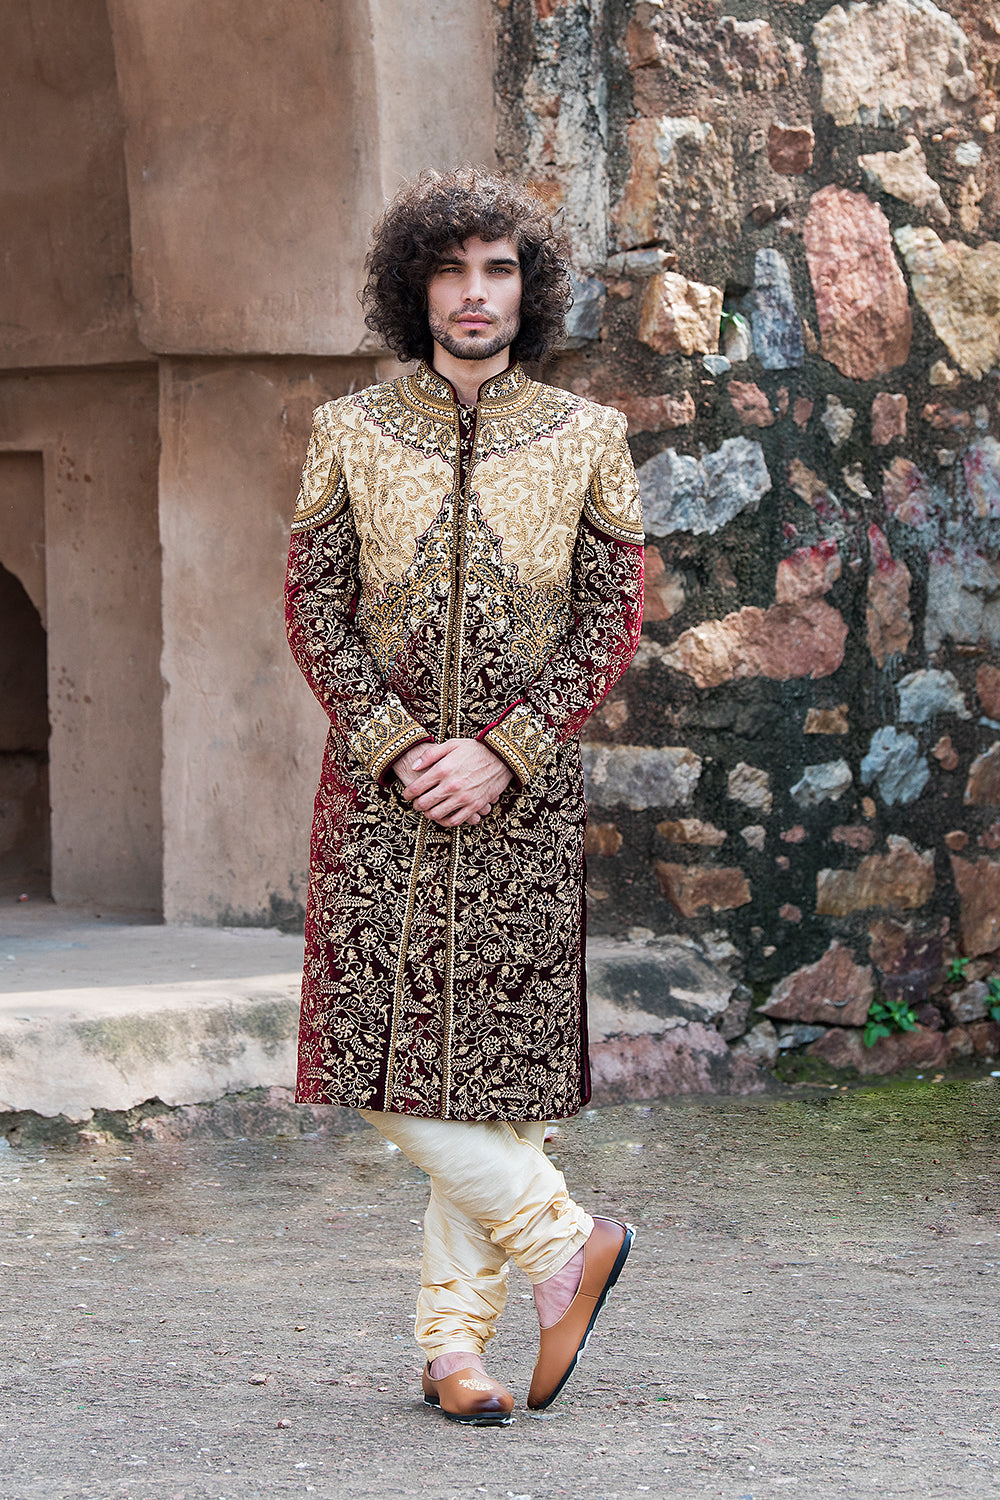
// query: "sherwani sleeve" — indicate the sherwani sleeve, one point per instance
point(606, 598)
point(322, 590)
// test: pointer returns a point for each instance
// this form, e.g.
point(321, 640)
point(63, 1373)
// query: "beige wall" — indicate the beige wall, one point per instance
point(22, 523)
point(64, 293)
point(196, 178)
point(97, 434)
point(260, 142)
point(243, 735)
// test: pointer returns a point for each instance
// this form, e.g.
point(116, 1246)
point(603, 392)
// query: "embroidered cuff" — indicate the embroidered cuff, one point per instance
point(382, 737)
point(522, 739)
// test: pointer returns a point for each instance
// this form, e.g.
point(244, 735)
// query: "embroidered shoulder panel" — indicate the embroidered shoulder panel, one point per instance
point(323, 488)
point(612, 504)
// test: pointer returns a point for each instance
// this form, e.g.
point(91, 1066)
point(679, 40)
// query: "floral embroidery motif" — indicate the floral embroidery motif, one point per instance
point(489, 587)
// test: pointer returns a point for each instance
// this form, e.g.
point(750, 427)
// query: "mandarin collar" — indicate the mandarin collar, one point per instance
point(505, 389)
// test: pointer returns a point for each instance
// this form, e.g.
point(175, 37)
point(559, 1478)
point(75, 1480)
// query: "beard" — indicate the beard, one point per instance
point(482, 345)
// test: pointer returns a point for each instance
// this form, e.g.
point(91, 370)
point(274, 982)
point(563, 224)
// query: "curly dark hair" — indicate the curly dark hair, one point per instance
point(438, 211)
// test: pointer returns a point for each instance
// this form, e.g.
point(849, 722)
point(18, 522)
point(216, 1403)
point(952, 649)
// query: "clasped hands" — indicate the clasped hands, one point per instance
point(452, 783)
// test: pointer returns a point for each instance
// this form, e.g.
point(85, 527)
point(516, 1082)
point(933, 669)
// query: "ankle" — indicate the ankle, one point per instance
point(554, 1295)
point(454, 1360)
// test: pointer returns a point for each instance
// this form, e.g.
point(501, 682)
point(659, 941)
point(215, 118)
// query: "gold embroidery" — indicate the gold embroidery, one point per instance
point(323, 491)
point(612, 503)
point(523, 740)
point(443, 971)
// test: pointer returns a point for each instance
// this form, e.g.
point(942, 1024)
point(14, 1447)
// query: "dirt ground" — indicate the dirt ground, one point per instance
point(811, 1310)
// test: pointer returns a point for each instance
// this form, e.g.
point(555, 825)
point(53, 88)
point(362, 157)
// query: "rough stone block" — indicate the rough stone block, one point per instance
point(960, 1042)
point(906, 492)
point(978, 884)
point(926, 694)
point(902, 878)
point(637, 777)
point(680, 315)
point(908, 955)
point(834, 991)
point(663, 592)
point(827, 720)
point(843, 1048)
point(981, 467)
point(904, 175)
point(861, 298)
point(838, 420)
point(983, 786)
point(693, 888)
point(988, 690)
point(602, 839)
point(985, 1038)
point(750, 785)
point(790, 148)
point(888, 620)
point(701, 495)
point(868, 55)
point(945, 754)
point(807, 572)
point(774, 318)
point(760, 1045)
point(640, 987)
point(894, 763)
point(963, 597)
point(888, 418)
point(680, 187)
point(733, 1021)
point(822, 783)
point(655, 413)
point(750, 404)
point(805, 639)
point(691, 831)
point(692, 1060)
point(956, 287)
point(583, 321)
point(969, 1004)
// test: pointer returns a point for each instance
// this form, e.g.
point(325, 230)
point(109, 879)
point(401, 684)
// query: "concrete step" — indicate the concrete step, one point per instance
point(104, 1014)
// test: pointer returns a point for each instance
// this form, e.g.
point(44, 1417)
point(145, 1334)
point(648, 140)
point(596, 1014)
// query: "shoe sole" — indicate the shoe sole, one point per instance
point(486, 1419)
point(616, 1271)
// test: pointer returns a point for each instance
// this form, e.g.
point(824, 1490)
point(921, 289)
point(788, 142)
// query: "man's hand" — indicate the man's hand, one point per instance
point(457, 782)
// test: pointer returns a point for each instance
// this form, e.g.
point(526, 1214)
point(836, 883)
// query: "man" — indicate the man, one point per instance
point(464, 587)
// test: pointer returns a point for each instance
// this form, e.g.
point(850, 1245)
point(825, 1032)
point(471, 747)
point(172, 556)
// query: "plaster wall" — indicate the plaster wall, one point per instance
point(98, 440)
point(250, 205)
point(22, 523)
point(65, 295)
point(243, 735)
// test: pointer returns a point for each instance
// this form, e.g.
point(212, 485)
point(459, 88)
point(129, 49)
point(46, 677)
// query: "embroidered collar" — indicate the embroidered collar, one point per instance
point(429, 392)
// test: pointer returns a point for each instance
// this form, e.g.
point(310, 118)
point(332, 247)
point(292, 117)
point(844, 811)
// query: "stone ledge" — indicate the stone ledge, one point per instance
point(119, 1019)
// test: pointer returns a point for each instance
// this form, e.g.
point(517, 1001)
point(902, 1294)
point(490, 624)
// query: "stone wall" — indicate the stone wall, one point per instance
point(786, 220)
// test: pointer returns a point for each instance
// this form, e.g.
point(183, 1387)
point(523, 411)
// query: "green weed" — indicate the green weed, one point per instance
point(887, 1016)
point(993, 997)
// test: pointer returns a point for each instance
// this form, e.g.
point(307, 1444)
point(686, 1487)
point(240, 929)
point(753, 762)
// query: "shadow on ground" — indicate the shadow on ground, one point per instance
point(811, 1310)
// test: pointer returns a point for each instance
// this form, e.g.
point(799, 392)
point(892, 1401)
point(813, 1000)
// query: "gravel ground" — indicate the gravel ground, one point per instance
point(811, 1310)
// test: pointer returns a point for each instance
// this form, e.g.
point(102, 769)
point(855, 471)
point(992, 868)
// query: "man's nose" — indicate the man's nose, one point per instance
point(475, 287)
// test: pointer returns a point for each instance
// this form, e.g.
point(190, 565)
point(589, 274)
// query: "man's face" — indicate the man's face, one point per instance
point(474, 298)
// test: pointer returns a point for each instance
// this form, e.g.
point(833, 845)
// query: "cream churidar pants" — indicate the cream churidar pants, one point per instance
point(495, 1197)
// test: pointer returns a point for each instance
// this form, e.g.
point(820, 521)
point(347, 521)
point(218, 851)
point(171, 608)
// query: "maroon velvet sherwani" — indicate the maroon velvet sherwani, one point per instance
point(496, 598)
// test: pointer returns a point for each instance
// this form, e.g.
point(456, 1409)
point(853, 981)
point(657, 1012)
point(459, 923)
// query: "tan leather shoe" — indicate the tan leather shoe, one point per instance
point(470, 1397)
point(562, 1343)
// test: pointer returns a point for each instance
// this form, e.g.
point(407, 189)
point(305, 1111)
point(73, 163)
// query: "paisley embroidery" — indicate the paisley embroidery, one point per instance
point(444, 968)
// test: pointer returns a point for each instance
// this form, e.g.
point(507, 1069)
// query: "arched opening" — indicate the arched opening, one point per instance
point(25, 858)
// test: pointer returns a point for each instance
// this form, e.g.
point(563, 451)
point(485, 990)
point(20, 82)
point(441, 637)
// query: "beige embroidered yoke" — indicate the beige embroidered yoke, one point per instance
point(437, 588)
